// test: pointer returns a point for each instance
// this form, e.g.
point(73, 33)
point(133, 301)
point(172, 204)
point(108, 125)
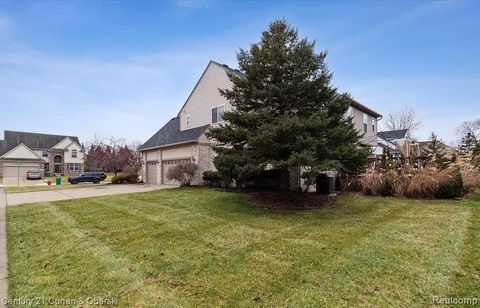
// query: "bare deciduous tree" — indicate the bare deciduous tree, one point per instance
point(405, 118)
point(470, 127)
point(116, 145)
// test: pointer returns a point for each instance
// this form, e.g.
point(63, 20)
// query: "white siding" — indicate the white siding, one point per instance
point(369, 137)
point(21, 152)
point(206, 96)
point(68, 154)
point(177, 152)
point(39, 153)
point(63, 144)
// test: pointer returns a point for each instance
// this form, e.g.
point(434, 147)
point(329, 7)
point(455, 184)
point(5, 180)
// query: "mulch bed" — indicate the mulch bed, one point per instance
point(276, 200)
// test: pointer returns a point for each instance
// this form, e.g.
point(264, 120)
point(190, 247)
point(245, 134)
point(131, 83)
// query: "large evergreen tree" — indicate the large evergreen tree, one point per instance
point(286, 113)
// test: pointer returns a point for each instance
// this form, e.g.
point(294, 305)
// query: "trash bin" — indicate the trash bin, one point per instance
point(58, 180)
point(325, 184)
point(48, 174)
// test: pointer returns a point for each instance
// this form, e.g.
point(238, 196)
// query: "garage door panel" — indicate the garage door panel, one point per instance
point(168, 164)
point(14, 171)
point(152, 172)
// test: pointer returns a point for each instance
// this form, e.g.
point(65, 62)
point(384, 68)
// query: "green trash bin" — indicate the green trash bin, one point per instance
point(58, 180)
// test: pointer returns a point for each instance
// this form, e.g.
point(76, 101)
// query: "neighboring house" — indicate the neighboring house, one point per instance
point(21, 152)
point(390, 140)
point(183, 138)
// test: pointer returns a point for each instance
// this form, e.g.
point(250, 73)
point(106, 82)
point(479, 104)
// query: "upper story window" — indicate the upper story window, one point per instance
point(74, 153)
point(188, 120)
point(217, 114)
point(350, 112)
point(365, 122)
point(44, 153)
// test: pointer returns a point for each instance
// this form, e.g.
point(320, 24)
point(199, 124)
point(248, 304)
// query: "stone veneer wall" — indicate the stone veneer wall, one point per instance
point(51, 164)
point(204, 159)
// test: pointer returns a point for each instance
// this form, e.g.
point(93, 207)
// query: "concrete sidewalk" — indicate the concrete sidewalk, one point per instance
point(3, 249)
point(67, 194)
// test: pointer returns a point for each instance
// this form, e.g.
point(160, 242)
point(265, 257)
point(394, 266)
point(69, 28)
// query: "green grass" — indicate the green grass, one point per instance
point(196, 247)
point(65, 185)
point(21, 189)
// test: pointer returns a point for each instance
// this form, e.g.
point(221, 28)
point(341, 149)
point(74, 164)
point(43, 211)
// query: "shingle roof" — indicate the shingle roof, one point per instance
point(392, 134)
point(170, 134)
point(2, 147)
point(31, 140)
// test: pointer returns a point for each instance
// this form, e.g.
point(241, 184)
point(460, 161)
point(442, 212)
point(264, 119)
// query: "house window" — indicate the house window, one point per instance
point(44, 153)
point(350, 112)
point(188, 121)
point(373, 128)
point(217, 114)
point(74, 167)
point(365, 122)
point(74, 153)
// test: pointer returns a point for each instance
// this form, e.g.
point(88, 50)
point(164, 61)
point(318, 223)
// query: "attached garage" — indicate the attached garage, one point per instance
point(167, 165)
point(11, 170)
point(152, 172)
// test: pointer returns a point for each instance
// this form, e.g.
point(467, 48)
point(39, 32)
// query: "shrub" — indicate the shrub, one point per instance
point(371, 183)
point(184, 174)
point(125, 179)
point(212, 177)
point(451, 185)
point(348, 182)
point(470, 174)
point(422, 185)
point(387, 188)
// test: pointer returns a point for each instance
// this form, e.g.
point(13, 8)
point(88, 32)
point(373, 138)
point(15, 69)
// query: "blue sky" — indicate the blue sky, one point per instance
point(124, 68)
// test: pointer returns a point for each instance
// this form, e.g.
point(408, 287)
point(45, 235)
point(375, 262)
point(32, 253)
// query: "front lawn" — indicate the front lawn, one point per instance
point(202, 247)
point(22, 189)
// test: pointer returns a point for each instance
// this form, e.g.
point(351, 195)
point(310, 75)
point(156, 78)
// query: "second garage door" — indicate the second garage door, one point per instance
point(14, 171)
point(167, 164)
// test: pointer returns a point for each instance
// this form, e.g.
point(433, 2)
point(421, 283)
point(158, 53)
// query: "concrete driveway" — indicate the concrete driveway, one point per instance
point(66, 194)
point(13, 182)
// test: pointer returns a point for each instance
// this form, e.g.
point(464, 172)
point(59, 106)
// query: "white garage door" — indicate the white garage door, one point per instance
point(166, 165)
point(151, 172)
point(13, 171)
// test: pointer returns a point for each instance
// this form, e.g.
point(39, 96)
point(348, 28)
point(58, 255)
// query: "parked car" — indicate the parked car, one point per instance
point(85, 177)
point(34, 175)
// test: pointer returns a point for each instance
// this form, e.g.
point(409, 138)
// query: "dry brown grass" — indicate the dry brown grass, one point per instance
point(422, 185)
point(371, 183)
point(470, 174)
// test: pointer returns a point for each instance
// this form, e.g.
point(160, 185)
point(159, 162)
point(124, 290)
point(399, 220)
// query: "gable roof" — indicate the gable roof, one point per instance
point(31, 140)
point(67, 139)
point(170, 134)
point(393, 134)
point(365, 109)
point(224, 66)
point(32, 154)
point(3, 146)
